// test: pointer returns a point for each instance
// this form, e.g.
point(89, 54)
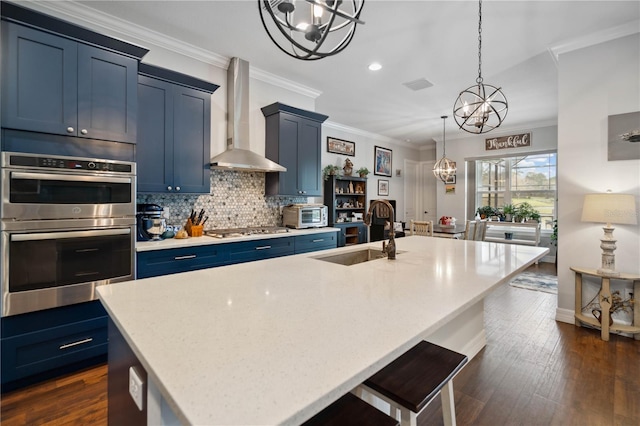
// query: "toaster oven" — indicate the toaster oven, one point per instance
point(300, 216)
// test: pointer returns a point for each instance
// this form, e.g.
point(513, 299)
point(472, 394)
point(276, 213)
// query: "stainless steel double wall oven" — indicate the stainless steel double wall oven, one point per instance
point(68, 225)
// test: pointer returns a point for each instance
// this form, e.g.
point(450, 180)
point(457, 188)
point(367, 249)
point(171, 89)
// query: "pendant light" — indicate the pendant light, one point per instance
point(310, 29)
point(444, 168)
point(481, 107)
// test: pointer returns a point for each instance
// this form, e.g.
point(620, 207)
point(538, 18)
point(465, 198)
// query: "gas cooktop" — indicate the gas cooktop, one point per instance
point(240, 232)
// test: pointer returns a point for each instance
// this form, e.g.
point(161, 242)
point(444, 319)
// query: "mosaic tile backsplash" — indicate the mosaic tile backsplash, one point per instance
point(236, 200)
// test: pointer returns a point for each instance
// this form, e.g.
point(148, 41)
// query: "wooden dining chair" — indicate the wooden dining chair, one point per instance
point(474, 230)
point(419, 227)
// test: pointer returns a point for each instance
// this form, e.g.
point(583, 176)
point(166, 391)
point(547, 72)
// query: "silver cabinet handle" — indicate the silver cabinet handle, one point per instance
point(169, 188)
point(66, 178)
point(69, 234)
point(177, 188)
point(79, 342)
point(263, 248)
point(319, 240)
point(70, 129)
point(84, 131)
point(185, 257)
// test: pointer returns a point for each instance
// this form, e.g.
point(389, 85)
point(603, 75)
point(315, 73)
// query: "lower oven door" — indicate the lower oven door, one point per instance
point(47, 269)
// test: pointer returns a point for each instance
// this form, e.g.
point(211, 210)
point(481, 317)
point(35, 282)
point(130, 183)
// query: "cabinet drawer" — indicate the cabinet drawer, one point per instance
point(260, 249)
point(31, 353)
point(163, 262)
point(314, 242)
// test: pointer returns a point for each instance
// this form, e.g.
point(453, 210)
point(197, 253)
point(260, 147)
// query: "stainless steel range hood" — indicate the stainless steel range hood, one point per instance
point(238, 156)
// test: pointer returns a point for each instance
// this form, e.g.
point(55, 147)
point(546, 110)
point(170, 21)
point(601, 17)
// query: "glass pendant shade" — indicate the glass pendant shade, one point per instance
point(482, 107)
point(444, 168)
point(310, 29)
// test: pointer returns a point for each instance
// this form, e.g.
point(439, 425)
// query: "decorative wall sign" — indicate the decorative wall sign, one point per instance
point(382, 161)
point(503, 142)
point(339, 146)
point(623, 136)
point(383, 187)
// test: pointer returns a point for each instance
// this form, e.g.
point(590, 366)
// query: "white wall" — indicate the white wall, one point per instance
point(365, 146)
point(473, 147)
point(594, 82)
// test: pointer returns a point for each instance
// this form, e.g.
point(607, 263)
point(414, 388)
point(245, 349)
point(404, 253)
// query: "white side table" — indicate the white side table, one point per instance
point(604, 298)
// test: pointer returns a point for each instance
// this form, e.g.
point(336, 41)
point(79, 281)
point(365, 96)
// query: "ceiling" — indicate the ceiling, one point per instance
point(435, 40)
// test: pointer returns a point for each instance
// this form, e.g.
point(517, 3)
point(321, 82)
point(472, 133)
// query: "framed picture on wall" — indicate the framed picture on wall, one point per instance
point(451, 179)
point(382, 161)
point(339, 146)
point(383, 187)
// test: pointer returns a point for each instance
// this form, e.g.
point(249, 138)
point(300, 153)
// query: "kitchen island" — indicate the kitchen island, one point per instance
point(275, 341)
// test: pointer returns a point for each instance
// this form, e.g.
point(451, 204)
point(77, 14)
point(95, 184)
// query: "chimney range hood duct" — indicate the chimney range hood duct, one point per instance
point(238, 156)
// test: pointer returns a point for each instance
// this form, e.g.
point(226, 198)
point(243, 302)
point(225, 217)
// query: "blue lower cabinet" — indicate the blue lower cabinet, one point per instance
point(260, 249)
point(172, 261)
point(315, 242)
point(43, 344)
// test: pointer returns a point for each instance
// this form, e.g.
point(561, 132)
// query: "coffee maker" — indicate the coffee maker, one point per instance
point(151, 224)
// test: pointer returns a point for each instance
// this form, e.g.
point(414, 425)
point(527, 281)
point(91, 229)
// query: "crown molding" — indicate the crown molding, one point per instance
point(373, 136)
point(284, 83)
point(84, 15)
point(598, 37)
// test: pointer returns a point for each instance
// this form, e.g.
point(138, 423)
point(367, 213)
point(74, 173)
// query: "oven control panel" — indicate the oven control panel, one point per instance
point(66, 163)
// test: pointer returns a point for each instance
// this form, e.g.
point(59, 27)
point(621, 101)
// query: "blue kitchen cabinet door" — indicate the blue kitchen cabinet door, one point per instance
point(55, 85)
point(248, 251)
point(315, 242)
point(39, 81)
point(107, 95)
point(43, 344)
point(172, 261)
point(293, 139)
point(174, 138)
point(191, 140)
point(154, 151)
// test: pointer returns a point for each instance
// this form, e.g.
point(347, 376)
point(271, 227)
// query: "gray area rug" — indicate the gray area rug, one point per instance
point(535, 281)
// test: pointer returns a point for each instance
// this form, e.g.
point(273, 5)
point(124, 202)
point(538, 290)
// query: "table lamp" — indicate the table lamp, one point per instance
point(609, 208)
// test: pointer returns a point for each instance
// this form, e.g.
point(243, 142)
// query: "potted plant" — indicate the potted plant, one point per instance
point(509, 211)
point(330, 170)
point(362, 172)
point(486, 212)
point(526, 212)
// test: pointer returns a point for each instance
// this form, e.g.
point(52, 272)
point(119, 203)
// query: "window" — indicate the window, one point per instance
point(514, 180)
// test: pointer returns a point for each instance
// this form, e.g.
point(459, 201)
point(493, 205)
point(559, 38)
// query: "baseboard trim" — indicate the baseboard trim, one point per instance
point(476, 344)
point(565, 315)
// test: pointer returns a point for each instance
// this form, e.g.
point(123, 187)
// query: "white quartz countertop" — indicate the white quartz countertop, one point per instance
point(275, 341)
point(171, 243)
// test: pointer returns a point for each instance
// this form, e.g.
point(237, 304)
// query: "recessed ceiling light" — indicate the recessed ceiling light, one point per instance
point(375, 66)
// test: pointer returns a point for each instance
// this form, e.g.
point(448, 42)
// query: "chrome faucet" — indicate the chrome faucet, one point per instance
point(390, 248)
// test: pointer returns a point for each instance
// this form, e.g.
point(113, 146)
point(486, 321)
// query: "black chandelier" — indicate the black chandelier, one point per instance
point(481, 107)
point(444, 168)
point(311, 29)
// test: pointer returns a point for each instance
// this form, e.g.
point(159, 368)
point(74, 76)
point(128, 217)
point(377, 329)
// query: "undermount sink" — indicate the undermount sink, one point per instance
point(354, 257)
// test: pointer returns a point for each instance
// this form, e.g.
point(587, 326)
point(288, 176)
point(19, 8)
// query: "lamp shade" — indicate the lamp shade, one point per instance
point(610, 208)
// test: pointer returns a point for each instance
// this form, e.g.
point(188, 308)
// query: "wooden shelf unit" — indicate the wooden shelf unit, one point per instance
point(604, 298)
point(344, 196)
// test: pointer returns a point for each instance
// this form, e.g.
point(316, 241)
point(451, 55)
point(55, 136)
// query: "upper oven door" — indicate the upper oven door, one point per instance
point(35, 195)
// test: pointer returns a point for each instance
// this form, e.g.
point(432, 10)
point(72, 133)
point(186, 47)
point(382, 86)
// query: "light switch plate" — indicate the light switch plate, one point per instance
point(136, 388)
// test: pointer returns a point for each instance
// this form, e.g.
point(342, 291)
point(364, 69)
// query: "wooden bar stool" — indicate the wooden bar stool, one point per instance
point(350, 410)
point(411, 382)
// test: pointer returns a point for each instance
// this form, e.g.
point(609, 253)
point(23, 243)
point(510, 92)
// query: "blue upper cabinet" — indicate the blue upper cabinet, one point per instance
point(52, 84)
point(174, 132)
point(293, 140)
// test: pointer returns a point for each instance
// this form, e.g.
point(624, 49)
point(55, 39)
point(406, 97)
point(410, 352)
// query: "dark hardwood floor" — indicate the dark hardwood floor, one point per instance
point(533, 371)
